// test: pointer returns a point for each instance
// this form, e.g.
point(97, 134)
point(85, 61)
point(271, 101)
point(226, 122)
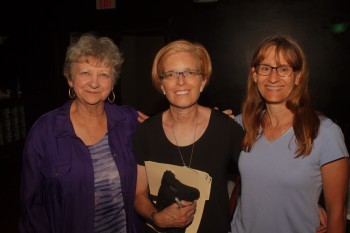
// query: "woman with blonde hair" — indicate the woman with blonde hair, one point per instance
point(188, 135)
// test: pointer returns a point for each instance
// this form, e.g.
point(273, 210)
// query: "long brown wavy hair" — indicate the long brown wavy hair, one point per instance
point(306, 121)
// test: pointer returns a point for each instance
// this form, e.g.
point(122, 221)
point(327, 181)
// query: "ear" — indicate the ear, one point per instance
point(70, 83)
point(297, 79)
point(162, 88)
point(254, 75)
point(201, 88)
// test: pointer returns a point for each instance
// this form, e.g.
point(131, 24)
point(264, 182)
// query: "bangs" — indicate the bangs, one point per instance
point(284, 50)
point(95, 61)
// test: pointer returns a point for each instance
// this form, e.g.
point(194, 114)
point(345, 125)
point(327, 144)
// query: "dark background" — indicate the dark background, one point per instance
point(35, 35)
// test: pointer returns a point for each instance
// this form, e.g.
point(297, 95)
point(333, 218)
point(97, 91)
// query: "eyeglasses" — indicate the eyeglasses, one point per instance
point(173, 75)
point(283, 71)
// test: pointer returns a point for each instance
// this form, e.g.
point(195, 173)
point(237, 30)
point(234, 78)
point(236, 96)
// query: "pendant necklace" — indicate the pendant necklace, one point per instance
point(194, 140)
point(283, 131)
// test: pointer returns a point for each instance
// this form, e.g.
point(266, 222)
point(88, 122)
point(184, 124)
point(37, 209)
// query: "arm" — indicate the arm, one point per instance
point(335, 176)
point(172, 216)
point(32, 217)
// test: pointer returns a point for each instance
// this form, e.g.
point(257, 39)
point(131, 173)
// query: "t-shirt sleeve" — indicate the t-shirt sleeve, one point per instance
point(332, 143)
point(239, 120)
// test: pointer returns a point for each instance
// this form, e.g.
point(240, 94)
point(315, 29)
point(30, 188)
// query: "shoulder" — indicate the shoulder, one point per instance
point(327, 125)
point(239, 119)
point(48, 119)
point(330, 141)
point(48, 125)
point(329, 129)
point(151, 122)
point(149, 129)
point(123, 110)
point(123, 115)
point(223, 120)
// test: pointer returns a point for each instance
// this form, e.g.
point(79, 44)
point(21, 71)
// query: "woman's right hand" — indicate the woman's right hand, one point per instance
point(173, 216)
point(323, 220)
point(142, 117)
point(228, 112)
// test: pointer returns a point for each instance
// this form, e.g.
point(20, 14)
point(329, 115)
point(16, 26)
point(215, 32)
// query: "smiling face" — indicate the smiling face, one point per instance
point(91, 81)
point(182, 92)
point(274, 88)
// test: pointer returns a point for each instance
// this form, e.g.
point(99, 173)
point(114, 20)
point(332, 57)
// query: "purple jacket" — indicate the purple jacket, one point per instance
point(57, 189)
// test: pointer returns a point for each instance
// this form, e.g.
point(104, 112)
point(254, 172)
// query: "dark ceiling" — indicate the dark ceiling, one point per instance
point(82, 15)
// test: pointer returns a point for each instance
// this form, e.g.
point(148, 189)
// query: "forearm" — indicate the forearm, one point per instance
point(336, 222)
point(144, 207)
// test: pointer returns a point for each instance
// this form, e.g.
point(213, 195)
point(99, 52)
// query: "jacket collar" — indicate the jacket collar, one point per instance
point(64, 126)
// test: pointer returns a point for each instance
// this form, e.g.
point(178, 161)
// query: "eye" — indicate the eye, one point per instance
point(284, 68)
point(84, 73)
point(264, 68)
point(168, 74)
point(104, 75)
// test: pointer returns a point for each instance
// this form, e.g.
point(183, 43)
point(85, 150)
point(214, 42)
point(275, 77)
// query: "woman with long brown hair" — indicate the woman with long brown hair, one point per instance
point(290, 153)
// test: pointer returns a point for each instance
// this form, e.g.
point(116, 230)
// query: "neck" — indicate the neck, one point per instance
point(84, 111)
point(183, 117)
point(183, 127)
point(278, 117)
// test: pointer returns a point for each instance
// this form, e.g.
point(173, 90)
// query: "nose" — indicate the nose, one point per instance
point(94, 82)
point(181, 78)
point(274, 77)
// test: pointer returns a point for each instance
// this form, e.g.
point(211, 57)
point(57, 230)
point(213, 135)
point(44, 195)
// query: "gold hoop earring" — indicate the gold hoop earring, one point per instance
point(71, 93)
point(113, 97)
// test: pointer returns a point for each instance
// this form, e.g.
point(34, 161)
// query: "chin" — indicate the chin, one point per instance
point(276, 101)
point(94, 102)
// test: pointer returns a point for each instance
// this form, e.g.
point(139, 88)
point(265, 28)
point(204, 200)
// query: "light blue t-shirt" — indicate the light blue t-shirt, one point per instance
point(280, 193)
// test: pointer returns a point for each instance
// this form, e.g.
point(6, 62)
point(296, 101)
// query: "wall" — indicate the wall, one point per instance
point(39, 34)
point(136, 85)
point(232, 29)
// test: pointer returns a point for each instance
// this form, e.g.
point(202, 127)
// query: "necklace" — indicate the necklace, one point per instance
point(283, 131)
point(194, 140)
point(275, 131)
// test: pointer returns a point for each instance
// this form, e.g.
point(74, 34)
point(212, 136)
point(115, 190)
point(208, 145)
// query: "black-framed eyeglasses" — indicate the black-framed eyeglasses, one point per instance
point(283, 71)
point(173, 75)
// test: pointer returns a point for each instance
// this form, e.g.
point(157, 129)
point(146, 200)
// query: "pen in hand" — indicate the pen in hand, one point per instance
point(178, 202)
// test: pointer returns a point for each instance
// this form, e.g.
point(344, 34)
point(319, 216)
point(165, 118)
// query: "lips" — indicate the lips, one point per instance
point(274, 88)
point(182, 92)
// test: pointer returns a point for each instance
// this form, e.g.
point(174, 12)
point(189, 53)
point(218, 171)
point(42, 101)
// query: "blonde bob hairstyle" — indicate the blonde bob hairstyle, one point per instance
point(91, 48)
point(306, 121)
point(194, 48)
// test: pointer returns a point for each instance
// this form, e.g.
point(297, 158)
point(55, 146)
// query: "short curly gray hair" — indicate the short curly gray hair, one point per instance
point(89, 46)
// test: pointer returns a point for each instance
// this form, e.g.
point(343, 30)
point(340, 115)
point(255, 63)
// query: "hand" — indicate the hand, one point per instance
point(173, 216)
point(142, 117)
point(323, 220)
point(227, 112)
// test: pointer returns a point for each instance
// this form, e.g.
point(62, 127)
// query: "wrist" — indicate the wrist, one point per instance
point(153, 215)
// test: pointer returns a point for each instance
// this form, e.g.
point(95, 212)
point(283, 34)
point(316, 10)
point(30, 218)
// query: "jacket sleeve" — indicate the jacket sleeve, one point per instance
point(32, 216)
